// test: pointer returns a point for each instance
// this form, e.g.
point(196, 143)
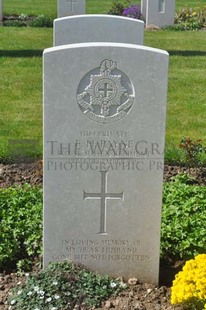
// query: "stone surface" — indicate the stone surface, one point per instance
point(108, 28)
point(158, 12)
point(104, 128)
point(71, 7)
point(144, 9)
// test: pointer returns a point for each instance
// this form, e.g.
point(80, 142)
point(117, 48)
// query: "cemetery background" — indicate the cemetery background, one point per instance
point(22, 48)
point(168, 41)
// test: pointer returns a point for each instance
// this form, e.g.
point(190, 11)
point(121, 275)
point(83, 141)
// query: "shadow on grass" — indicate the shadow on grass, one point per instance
point(38, 53)
point(21, 53)
point(186, 53)
point(168, 270)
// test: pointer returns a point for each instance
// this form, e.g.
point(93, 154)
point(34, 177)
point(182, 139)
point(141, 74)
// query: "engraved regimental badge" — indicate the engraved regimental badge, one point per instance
point(105, 94)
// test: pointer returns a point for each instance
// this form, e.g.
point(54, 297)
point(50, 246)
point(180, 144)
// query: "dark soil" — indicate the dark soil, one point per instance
point(22, 19)
point(18, 174)
point(138, 296)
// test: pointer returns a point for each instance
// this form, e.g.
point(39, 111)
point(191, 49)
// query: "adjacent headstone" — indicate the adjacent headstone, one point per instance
point(144, 9)
point(104, 129)
point(71, 7)
point(1, 11)
point(108, 28)
point(158, 12)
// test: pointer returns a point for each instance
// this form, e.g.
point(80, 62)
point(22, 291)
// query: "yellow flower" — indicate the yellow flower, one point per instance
point(189, 284)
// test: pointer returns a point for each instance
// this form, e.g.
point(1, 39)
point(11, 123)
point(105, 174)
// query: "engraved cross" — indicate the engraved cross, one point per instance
point(161, 6)
point(103, 196)
point(71, 2)
point(106, 90)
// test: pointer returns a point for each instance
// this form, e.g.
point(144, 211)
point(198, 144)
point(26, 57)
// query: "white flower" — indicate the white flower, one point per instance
point(54, 308)
point(36, 309)
point(27, 274)
point(19, 283)
point(13, 301)
point(29, 293)
point(48, 299)
point(41, 292)
point(41, 297)
point(55, 283)
point(19, 292)
point(36, 288)
point(56, 296)
point(112, 284)
point(104, 287)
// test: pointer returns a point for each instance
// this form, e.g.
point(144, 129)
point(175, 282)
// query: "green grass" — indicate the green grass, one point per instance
point(186, 112)
point(30, 7)
point(191, 3)
point(49, 7)
point(21, 83)
point(21, 76)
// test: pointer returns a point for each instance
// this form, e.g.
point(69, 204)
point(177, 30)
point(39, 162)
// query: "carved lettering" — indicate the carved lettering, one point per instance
point(105, 148)
point(111, 164)
point(104, 249)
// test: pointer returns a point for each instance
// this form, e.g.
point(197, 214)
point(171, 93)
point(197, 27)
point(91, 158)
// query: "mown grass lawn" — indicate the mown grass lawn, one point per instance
point(21, 79)
point(21, 83)
point(49, 7)
point(186, 112)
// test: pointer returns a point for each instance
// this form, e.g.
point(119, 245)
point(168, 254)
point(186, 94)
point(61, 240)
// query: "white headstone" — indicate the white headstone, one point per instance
point(104, 130)
point(158, 12)
point(1, 10)
point(144, 9)
point(71, 7)
point(98, 28)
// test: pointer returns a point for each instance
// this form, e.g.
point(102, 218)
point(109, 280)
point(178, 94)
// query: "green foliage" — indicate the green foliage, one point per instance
point(173, 155)
point(189, 19)
point(183, 232)
point(185, 19)
point(24, 17)
point(183, 222)
point(14, 23)
point(62, 286)
point(192, 149)
point(24, 20)
point(49, 7)
point(118, 7)
point(190, 153)
point(42, 21)
point(20, 226)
